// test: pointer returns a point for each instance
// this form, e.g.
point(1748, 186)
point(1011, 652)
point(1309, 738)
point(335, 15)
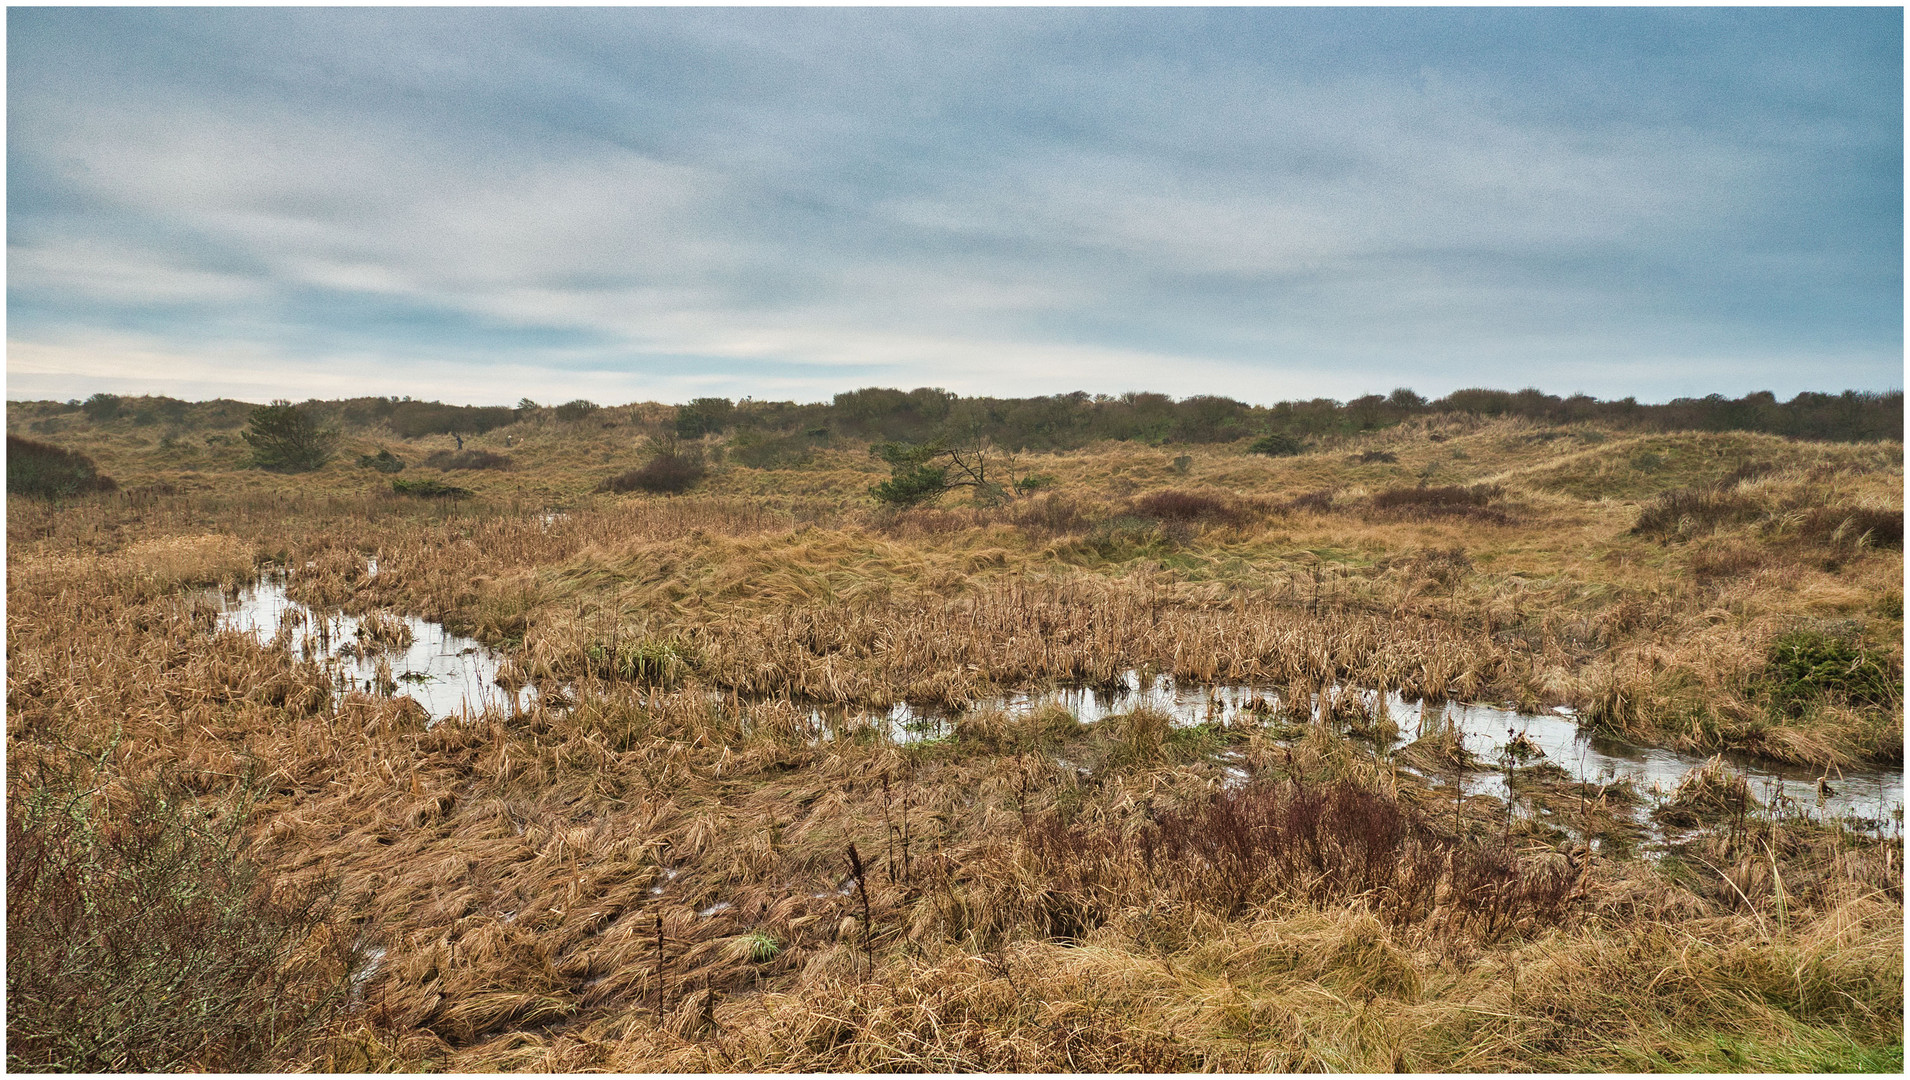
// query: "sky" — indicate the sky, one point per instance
point(483, 205)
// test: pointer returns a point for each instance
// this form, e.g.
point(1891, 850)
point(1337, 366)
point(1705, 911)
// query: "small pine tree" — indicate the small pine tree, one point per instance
point(285, 438)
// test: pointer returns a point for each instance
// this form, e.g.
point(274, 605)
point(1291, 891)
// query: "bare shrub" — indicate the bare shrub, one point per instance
point(449, 460)
point(1452, 501)
point(664, 474)
point(1190, 506)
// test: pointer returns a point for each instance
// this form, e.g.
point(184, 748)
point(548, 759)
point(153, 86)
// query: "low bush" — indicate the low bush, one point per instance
point(1474, 503)
point(1278, 444)
point(383, 461)
point(1187, 506)
point(664, 474)
point(142, 938)
point(449, 460)
point(429, 489)
point(50, 472)
point(1051, 515)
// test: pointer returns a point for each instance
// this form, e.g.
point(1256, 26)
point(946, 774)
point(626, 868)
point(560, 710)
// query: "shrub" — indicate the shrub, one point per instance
point(449, 460)
point(912, 485)
point(410, 419)
point(1187, 506)
point(285, 438)
point(48, 472)
point(665, 474)
point(1434, 502)
point(704, 416)
point(143, 938)
point(102, 407)
point(763, 452)
point(383, 461)
point(574, 410)
point(429, 489)
point(1277, 444)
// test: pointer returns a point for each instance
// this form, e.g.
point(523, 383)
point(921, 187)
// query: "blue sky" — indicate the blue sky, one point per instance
point(479, 205)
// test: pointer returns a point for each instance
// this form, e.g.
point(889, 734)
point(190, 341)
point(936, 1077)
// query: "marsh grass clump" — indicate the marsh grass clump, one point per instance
point(1852, 527)
point(141, 937)
point(1708, 793)
point(1683, 513)
point(1805, 667)
point(656, 661)
point(452, 460)
point(49, 472)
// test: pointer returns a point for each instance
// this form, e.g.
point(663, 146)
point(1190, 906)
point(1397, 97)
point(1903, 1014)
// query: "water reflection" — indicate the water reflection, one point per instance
point(448, 674)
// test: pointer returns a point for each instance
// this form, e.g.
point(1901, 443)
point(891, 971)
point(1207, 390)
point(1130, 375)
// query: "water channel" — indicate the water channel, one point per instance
point(452, 676)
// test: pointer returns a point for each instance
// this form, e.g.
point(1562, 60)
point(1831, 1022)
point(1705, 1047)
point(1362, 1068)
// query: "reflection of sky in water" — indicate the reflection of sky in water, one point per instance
point(448, 674)
point(452, 675)
point(1869, 795)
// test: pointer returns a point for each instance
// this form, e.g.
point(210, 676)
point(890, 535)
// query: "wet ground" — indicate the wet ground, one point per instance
point(453, 676)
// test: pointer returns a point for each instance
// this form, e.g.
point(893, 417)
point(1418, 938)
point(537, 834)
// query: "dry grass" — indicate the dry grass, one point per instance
point(1040, 895)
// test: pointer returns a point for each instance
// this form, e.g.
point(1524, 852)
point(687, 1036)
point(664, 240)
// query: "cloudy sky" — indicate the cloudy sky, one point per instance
point(480, 205)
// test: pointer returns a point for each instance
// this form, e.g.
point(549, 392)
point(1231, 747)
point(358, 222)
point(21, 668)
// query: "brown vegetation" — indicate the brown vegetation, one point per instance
point(1035, 894)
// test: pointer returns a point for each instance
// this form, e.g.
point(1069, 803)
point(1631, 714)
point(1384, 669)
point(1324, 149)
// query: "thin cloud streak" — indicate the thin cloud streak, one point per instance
point(776, 203)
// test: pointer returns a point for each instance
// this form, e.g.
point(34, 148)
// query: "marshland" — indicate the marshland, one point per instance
point(914, 732)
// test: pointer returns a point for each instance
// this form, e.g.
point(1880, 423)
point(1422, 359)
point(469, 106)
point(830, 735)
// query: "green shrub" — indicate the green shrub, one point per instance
point(1278, 444)
point(49, 472)
point(571, 411)
point(285, 438)
point(141, 937)
point(912, 485)
point(383, 461)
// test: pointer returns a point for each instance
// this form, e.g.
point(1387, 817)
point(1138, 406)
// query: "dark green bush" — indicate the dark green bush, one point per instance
point(49, 472)
point(1278, 444)
point(1806, 666)
point(383, 461)
point(141, 937)
point(704, 416)
point(574, 410)
point(285, 438)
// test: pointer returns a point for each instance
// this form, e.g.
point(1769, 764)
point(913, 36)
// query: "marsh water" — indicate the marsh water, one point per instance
point(448, 674)
point(454, 676)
